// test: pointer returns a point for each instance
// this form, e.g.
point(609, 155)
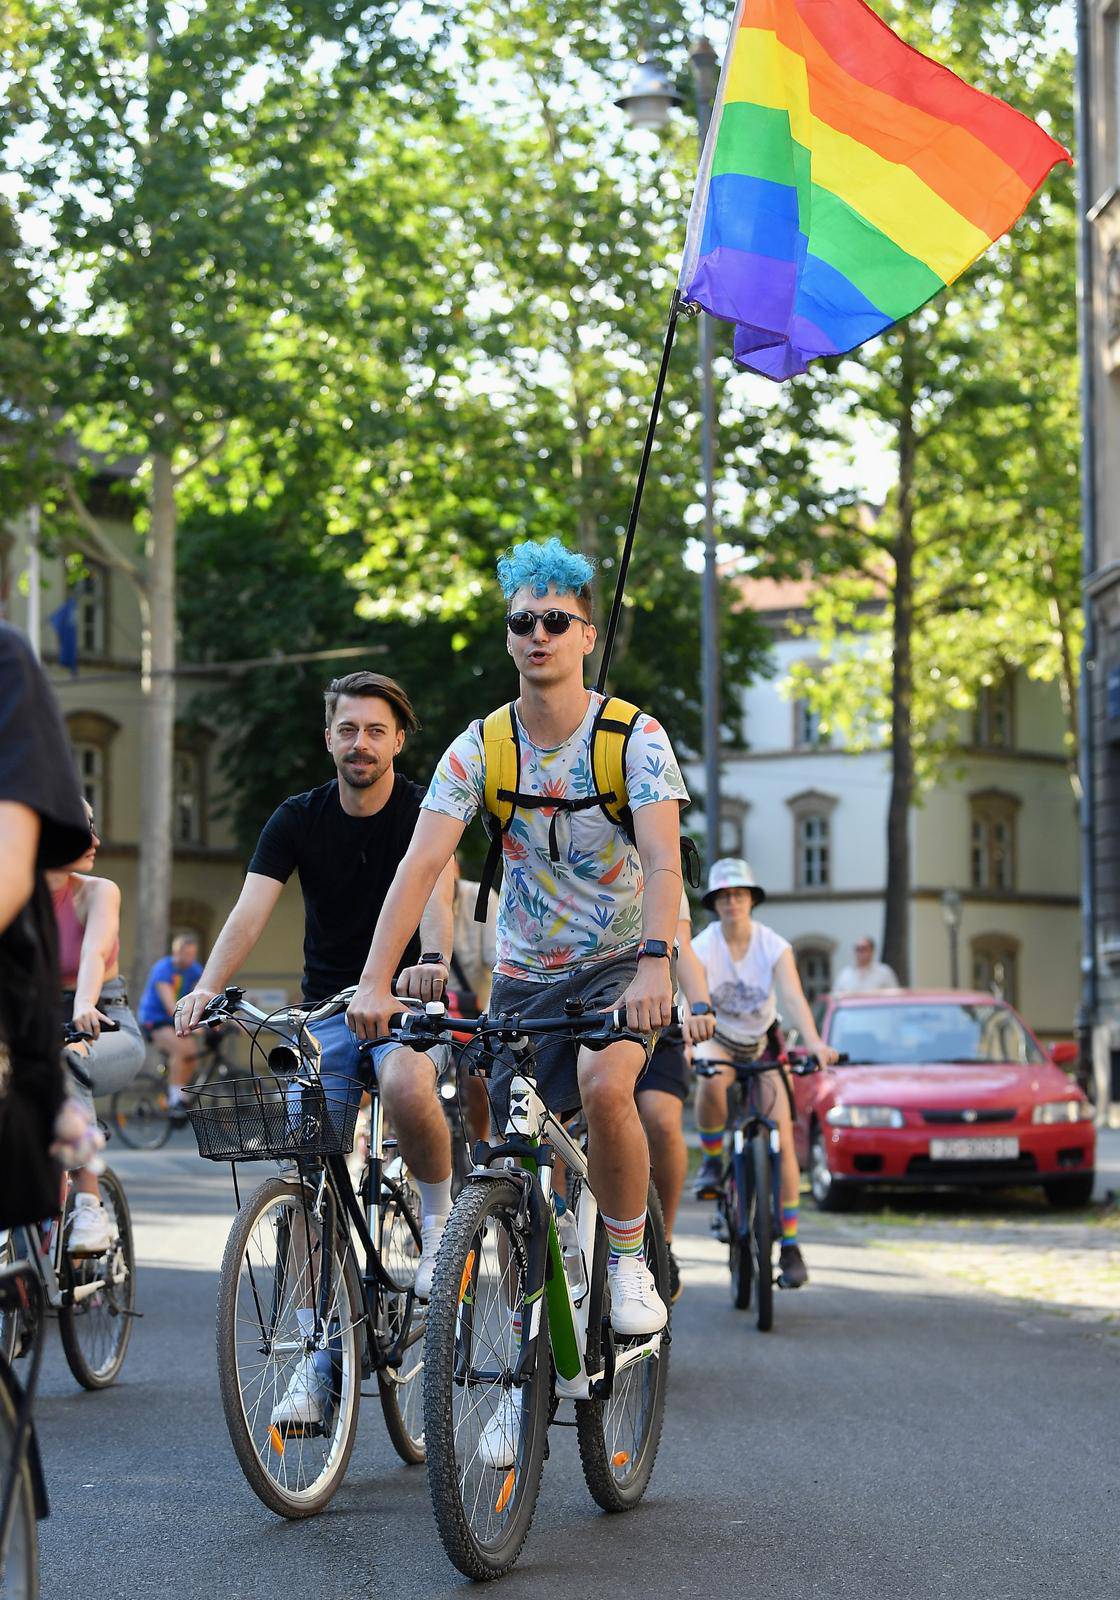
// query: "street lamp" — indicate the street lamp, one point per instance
point(951, 911)
point(648, 101)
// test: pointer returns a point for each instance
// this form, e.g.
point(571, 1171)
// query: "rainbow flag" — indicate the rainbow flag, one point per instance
point(845, 180)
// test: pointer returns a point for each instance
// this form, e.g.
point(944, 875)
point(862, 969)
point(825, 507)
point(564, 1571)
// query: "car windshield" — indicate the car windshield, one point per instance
point(945, 1031)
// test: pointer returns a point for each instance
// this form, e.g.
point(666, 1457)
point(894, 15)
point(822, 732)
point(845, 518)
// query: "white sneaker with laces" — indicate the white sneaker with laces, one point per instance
point(301, 1403)
point(90, 1233)
point(636, 1307)
point(497, 1443)
point(431, 1235)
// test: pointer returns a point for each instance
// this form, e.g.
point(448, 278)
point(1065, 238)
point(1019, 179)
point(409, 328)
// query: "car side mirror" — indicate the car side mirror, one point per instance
point(1065, 1053)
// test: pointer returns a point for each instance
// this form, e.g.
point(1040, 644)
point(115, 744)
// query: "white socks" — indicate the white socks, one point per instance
point(435, 1198)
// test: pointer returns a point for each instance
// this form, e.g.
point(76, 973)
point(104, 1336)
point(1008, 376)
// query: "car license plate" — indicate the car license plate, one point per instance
point(973, 1149)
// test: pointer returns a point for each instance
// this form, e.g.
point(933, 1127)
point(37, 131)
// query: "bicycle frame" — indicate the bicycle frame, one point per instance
point(44, 1257)
point(25, 1445)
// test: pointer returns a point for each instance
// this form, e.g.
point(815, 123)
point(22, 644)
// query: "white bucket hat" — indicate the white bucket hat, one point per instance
point(732, 872)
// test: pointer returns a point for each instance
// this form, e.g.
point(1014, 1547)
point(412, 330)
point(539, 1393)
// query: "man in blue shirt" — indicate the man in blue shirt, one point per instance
point(170, 979)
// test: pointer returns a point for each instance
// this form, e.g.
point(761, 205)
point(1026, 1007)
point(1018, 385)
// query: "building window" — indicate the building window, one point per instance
point(733, 828)
point(814, 965)
point(92, 620)
point(807, 733)
point(992, 864)
point(90, 761)
point(91, 736)
point(812, 834)
point(993, 722)
point(995, 965)
point(187, 797)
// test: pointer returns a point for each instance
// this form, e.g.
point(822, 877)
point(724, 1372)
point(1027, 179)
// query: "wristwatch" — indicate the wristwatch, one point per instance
point(432, 958)
point(654, 947)
point(701, 1009)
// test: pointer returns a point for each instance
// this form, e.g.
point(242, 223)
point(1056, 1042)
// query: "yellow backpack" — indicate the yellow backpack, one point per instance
point(610, 735)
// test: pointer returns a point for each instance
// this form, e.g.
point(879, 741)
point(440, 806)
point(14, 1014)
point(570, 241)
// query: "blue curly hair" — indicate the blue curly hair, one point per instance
point(535, 566)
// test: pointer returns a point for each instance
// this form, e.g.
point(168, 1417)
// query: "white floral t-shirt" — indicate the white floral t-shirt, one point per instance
point(587, 905)
point(743, 992)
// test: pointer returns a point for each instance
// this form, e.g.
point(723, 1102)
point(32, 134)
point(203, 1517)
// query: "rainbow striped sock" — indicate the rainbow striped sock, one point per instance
point(711, 1140)
point(625, 1238)
point(789, 1224)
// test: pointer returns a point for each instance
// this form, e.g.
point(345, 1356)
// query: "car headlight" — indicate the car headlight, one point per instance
point(843, 1116)
point(1063, 1111)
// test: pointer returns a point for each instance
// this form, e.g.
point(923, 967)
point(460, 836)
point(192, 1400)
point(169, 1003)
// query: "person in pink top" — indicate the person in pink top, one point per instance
point(87, 911)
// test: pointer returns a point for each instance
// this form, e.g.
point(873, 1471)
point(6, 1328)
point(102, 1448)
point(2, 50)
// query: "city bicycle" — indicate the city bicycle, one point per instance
point(93, 1297)
point(141, 1113)
point(749, 1200)
point(317, 1281)
point(23, 1497)
point(517, 1322)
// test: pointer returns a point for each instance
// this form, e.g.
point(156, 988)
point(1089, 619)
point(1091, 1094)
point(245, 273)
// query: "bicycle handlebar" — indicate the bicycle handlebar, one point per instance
point(409, 1027)
point(803, 1067)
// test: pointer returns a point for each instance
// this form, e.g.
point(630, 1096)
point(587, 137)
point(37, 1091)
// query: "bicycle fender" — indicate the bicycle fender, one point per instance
point(34, 1460)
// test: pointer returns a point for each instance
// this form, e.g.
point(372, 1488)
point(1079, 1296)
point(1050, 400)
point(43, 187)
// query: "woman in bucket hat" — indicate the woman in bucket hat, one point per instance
point(746, 964)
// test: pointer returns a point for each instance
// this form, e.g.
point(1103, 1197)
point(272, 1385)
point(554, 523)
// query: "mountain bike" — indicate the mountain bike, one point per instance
point(317, 1271)
point(93, 1297)
point(515, 1325)
point(141, 1114)
point(750, 1195)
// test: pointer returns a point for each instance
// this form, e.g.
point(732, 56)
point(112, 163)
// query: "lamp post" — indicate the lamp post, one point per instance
point(649, 99)
point(951, 911)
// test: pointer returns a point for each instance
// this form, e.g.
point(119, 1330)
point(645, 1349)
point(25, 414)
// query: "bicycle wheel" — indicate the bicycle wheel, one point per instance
point(762, 1231)
point(739, 1258)
point(139, 1113)
point(485, 1436)
point(401, 1388)
point(19, 1563)
point(95, 1318)
point(11, 1320)
point(271, 1284)
point(619, 1437)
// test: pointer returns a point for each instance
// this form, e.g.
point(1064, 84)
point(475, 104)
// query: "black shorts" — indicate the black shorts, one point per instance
point(668, 1070)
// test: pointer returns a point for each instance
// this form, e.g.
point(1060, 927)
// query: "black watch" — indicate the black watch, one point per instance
point(432, 958)
point(701, 1009)
point(654, 947)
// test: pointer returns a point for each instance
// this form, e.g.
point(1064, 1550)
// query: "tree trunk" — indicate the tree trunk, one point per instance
point(896, 913)
point(157, 683)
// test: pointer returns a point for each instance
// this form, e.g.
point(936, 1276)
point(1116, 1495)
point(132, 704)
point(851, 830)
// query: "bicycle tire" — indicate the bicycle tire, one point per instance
point(402, 1392)
point(739, 1258)
point(11, 1320)
point(461, 1317)
point(96, 1328)
point(762, 1232)
point(262, 1448)
point(601, 1425)
point(19, 1562)
point(139, 1112)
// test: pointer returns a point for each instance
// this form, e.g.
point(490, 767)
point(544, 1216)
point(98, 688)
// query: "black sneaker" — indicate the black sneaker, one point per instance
point(792, 1271)
point(709, 1179)
point(674, 1279)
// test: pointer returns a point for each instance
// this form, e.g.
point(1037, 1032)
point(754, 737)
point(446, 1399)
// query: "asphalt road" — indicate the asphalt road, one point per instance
point(898, 1434)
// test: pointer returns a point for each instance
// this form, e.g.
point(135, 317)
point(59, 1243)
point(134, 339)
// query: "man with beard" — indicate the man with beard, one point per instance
point(346, 840)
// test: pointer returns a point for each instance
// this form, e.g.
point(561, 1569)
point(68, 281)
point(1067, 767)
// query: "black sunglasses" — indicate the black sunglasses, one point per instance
point(522, 623)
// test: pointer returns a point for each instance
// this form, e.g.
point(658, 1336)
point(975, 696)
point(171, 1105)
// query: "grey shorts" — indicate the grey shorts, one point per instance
point(599, 985)
point(112, 1059)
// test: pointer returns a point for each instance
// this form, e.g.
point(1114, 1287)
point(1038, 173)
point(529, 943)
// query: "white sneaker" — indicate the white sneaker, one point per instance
point(90, 1233)
point(636, 1306)
point(497, 1443)
point(301, 1404)
point(431, 1235)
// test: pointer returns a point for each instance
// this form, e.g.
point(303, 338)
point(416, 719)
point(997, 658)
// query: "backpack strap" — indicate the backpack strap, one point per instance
point(501, 756)
point(610, 735)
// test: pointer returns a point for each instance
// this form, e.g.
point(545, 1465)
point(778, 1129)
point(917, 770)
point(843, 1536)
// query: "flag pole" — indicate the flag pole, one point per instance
point(636, 503)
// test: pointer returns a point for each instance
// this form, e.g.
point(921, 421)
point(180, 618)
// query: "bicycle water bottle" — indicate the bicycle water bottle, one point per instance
point(574, 1268)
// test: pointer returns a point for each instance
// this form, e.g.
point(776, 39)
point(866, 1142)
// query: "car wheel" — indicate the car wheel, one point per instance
point(827, 1193)
point(1069, 1192)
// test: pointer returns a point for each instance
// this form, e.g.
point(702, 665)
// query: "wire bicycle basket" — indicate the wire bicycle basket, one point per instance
point(259, 1119)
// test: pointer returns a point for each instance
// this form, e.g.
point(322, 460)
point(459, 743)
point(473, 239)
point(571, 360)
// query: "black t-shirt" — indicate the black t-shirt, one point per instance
point(36, 770)
point(345, 867)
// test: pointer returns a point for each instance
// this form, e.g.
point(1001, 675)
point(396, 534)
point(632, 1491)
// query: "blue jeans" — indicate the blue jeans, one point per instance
point(342, 1065)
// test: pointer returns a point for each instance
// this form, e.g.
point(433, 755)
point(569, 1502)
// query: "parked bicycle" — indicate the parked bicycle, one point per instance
point(316, 1285)
point(23, 1500)
point(516, 1322)
point(142, 1114)
point(750, 1195)
point(93, 1297)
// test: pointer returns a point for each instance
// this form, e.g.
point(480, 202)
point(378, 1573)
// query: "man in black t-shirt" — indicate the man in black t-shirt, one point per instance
point(345, 840)
point(42, 824)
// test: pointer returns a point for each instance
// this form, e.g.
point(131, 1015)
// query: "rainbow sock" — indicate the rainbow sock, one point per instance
point(711, 1140)
point(625, 1238)
point(789, 1224)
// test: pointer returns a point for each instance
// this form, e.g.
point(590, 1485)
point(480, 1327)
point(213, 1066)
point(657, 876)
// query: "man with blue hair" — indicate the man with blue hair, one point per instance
point(588, 907)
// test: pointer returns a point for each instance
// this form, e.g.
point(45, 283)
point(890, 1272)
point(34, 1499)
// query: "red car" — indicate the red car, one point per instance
point(941, 1088)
